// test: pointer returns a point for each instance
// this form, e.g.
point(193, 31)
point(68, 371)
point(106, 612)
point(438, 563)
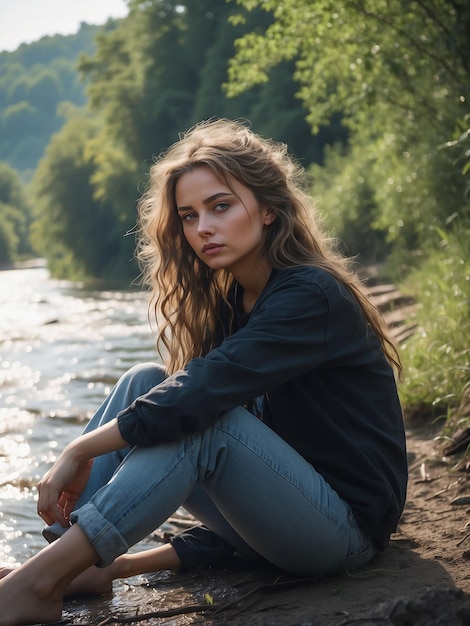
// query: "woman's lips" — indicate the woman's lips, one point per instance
point(211, 248)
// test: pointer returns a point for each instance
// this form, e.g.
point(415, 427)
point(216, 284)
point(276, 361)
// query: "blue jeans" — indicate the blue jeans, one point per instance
point(239, 478)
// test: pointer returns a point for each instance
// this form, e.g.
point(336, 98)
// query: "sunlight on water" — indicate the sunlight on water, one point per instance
point(62, 348)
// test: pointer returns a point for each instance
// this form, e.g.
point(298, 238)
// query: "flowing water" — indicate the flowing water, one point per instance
point(62, 347)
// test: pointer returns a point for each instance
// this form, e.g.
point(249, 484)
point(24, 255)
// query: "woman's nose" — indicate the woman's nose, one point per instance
point(205, 224)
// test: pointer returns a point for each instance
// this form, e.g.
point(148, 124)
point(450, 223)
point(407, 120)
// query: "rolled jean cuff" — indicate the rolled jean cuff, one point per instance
point(106, 540)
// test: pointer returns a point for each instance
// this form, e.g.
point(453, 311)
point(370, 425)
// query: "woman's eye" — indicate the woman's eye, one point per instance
point(187, 217)
point(221, 206)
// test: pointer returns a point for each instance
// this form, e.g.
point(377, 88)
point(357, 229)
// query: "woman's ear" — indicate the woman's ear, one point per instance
point(269, 216)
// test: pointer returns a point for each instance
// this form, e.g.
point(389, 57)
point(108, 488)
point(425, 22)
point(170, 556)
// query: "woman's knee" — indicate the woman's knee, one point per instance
point(142, 377)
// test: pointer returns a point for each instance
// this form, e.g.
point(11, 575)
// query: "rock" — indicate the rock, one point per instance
point(449, 607)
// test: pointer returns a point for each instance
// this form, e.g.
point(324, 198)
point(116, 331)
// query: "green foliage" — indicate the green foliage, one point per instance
point(384, 196)
point(45, 90)
point(437, 357)
point(14, 217)
point(355, 56)
point(162, 70)
point(344, 191)
point(398, 75)
point(34, 79)
point(20, 117)
point(8, 236)
point(76, 228)
point(460, 149)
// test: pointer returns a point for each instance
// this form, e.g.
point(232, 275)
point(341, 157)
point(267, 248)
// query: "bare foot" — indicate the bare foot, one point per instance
point(93, 581)
point(34, 592)
point(25, 601)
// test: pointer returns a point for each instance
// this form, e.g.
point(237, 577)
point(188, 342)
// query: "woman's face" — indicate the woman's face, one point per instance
point(223, 225)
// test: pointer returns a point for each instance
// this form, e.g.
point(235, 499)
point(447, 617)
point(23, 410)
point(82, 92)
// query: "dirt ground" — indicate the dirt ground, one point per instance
point(422, 579)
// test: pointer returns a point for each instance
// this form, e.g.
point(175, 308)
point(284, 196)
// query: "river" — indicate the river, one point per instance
point(62, 347)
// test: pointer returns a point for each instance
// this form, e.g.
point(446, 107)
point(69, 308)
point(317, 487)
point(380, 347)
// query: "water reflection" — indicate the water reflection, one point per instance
point(61, 349)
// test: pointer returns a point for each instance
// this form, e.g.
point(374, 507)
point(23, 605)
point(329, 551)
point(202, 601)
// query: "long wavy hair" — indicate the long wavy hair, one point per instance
point(187, 295)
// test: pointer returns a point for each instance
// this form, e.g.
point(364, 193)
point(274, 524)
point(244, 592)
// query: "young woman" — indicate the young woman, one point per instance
point(276, 421)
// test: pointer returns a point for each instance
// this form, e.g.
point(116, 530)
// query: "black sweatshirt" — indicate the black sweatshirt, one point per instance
point(329, 392)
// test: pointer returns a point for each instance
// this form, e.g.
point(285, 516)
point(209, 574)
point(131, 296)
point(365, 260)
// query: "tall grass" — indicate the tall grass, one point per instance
point(437, 356)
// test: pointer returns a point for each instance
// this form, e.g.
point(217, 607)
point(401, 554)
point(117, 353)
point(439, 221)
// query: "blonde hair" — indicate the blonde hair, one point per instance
point(186, 295)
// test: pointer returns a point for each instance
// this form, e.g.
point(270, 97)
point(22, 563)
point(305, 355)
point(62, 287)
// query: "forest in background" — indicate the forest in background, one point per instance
point(371, 96)
point(34, 80)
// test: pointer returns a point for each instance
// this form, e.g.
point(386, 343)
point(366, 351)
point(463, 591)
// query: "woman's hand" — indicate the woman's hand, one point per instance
point(73, 491)
point(61, 487)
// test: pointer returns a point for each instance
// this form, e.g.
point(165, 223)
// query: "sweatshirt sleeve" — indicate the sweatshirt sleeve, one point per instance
point(287, 335)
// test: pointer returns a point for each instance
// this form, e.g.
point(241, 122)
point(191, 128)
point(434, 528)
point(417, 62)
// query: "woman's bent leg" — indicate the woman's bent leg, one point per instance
point(272, 498)
point(134, 383)
point(202, 507)
point(282, 507)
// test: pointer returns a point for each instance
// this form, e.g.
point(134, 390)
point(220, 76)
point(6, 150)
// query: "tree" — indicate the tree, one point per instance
point(45, 91)
point(14, 216)
point(162, 69)
point(398, 75)
point(19, 118)
point(408, 58)
point(153, 75)
point(75, 228)
point(34, 79)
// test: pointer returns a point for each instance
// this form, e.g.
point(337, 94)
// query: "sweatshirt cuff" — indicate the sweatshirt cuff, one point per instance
point(131, 429)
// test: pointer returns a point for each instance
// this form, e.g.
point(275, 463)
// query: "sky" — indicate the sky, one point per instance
point(25, 21)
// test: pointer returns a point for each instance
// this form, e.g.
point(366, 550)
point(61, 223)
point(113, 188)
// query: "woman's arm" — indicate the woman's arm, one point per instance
point(106, 438)
point(285, 337)
point(64, 482)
